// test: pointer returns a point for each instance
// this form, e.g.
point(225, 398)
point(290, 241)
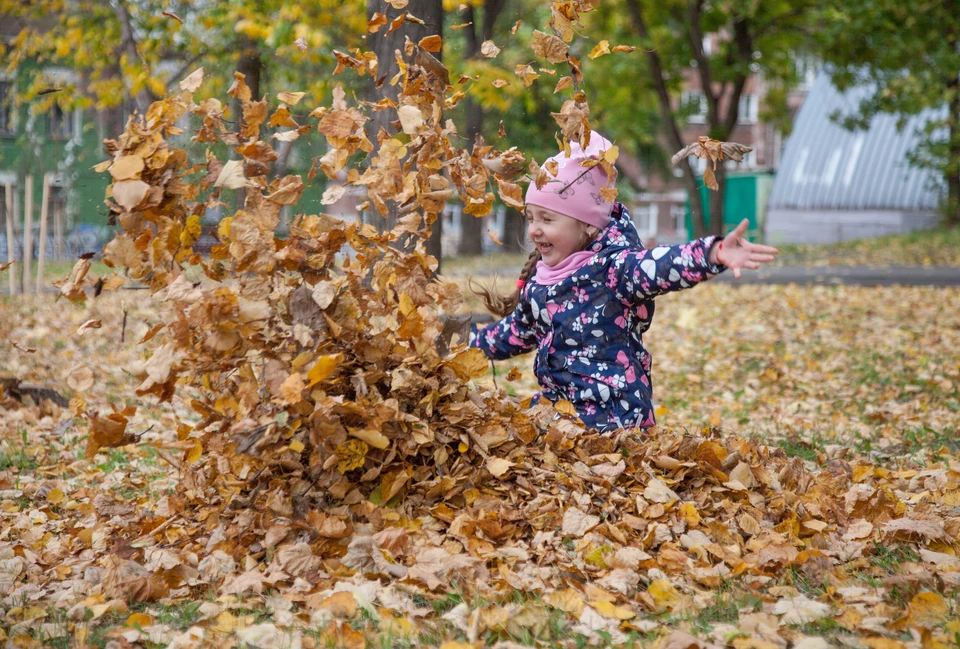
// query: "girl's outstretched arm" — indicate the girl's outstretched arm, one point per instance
point(641, 274)
point(508, 337)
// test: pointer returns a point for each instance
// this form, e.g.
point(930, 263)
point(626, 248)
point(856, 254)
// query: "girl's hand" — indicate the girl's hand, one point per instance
point(737, 253)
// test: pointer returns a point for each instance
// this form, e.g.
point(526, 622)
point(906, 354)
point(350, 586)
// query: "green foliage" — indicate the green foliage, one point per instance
point(141, 49)
point(908, 52)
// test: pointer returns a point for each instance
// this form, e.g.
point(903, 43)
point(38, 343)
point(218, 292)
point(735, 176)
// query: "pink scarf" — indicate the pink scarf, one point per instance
point(550, 275)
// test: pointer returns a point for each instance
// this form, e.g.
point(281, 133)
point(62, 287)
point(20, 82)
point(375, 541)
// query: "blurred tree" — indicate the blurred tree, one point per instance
point(908, 53)
point(754, 37)
point(387, 44)
point(479, 26)
point(137, 50)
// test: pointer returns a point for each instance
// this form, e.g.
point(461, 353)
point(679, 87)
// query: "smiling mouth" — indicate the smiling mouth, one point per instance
point(544, 247)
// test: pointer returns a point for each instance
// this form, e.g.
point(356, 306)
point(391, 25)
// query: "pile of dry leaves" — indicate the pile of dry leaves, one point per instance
point(336, 455)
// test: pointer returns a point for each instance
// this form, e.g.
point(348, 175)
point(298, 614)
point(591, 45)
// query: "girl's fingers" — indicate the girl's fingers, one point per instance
point(762, 257)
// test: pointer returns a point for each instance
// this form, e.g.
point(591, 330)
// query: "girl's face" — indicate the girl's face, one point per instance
point(556, 236)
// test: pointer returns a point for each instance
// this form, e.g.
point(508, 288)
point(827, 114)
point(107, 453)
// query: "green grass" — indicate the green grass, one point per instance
point(888, 558)
point(940, 246)
point(56, 270)
point(13, 455)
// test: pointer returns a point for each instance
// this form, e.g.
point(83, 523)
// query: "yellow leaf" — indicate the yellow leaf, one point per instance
point(611, 154)
point(127, 167)
point(193, 454)
point(372, 437)
point(55, 497)
point(612, 611)
point(297, 446)
point(664, 594)
point(603, 47)
point(927, 609)
point(292, 98)
point(139, 619)
point(566, 599)
point(690, 514)
point(322, 369)
point(564, 407)
point(223, 229)
point(469, 364)
point(191, 231)
point(351, 455)
point(454, 644)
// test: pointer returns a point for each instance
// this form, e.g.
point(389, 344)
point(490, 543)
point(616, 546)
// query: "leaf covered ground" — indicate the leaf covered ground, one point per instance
point(802, 488)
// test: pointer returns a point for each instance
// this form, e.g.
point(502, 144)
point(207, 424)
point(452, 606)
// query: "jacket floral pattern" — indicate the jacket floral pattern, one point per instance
point(588, 328)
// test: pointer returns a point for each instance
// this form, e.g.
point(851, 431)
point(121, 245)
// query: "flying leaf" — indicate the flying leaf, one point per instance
point(377, 21)
point(432, 43)
point(489, 49)
point(710, 180)
point(292, 98)
point(192, 82)
point(549, 47)
point(231, 176)
point(602, 48)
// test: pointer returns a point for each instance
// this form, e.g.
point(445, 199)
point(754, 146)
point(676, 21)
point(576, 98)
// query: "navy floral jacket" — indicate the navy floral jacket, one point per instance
point(588, 328)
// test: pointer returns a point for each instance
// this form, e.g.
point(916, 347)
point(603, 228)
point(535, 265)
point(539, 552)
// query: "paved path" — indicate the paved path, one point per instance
point(849, 275)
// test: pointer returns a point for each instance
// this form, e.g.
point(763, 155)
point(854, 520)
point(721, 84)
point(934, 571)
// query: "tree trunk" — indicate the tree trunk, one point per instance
point(471, 227)
point(953, 162)
point(674, 138)
point(250, 66)
point(143, 98)
point(384, 45)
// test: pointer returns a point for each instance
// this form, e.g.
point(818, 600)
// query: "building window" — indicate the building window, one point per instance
point(695, 104)
point(60, 122)
point(6, 108)
point(748, 110)
point(645, 218)
point(678, 216)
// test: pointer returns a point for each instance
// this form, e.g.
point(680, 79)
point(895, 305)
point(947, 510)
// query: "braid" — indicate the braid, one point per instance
point(500, 305)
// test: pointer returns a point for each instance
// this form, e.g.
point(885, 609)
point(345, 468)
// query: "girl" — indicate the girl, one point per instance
point(585, 295)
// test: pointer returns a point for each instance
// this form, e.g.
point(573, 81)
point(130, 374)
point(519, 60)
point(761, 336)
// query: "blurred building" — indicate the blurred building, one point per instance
point(662, 211)
point(834, 184)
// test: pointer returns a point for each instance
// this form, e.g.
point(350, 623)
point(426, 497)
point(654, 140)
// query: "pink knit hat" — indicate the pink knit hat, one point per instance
point(576, 190)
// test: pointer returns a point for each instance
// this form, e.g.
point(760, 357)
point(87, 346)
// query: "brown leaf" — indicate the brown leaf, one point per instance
point(710, 180)
point(549, 47)
point(432, 43)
